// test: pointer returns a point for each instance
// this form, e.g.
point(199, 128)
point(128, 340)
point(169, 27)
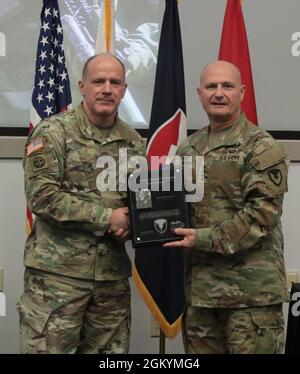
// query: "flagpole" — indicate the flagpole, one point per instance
point(167, 129)
point(162, 342)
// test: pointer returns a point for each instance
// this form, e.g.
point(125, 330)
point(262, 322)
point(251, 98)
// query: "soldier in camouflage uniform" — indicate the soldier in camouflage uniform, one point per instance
point(235, 273)
point(76, 294)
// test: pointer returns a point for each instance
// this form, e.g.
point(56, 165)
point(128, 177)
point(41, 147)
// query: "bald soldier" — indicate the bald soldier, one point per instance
point(76, 294)
point(235, 279)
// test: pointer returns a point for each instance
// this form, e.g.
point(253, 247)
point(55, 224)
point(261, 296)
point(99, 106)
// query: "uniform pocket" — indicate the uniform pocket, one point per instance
point(33, 314)
point(270, 332)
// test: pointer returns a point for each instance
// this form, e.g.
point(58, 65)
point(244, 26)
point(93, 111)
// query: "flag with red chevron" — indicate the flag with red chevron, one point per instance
point(158, 272)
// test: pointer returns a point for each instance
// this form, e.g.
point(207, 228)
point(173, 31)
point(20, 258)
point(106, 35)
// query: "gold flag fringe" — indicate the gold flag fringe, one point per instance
point(169, 330)
point(108, 23)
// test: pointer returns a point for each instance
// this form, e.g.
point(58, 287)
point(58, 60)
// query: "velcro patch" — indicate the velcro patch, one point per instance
point(35, 145)
point(276, 176)
point(39, 162)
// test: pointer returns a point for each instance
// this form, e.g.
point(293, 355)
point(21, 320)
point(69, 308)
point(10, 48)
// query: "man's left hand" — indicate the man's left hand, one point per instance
point(187, 243)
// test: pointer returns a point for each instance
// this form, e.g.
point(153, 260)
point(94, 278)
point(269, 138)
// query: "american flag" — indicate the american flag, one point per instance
point(51, 93)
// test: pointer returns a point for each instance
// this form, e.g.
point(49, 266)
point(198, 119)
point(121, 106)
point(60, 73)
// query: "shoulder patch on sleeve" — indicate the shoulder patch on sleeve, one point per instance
point(38, 162)
point(275, 176)
point(36, 145)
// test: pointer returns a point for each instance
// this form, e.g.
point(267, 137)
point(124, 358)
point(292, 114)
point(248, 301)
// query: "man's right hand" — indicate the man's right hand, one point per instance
point(119, 223)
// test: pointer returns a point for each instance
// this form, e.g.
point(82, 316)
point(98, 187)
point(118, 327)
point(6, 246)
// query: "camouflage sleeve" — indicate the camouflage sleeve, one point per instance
point(263, 186)
point(43, 172)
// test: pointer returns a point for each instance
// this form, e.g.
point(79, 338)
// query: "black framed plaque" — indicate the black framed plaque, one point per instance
point(156, 209)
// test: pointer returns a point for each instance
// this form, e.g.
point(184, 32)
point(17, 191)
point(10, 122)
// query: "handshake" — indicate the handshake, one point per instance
point(119, 224)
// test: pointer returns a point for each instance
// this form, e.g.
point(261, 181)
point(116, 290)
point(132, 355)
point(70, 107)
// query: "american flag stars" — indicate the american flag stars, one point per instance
point(51, 93)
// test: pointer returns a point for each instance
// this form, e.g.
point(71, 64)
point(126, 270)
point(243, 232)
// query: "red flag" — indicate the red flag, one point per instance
point(234, 48)
point(159, 272)
point(51, 92)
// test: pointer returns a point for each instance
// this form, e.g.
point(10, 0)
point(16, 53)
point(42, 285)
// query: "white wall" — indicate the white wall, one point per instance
point(291, 219)
point(12, 234)
point(12, 238)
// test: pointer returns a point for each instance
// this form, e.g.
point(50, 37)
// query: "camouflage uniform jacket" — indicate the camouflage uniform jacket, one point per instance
point(238, 257)
point(61, 168)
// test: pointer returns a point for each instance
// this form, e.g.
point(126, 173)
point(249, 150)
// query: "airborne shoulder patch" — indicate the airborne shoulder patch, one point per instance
point(38, 162)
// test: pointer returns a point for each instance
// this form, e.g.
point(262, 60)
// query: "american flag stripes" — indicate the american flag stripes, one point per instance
point(51, 92)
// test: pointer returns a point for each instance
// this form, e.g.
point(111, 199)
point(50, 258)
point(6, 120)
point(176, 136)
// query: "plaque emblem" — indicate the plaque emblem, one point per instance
point(160, 225)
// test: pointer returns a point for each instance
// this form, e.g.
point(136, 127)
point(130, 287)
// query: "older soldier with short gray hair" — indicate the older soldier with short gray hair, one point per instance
point(76, 293)
point(235, 282)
